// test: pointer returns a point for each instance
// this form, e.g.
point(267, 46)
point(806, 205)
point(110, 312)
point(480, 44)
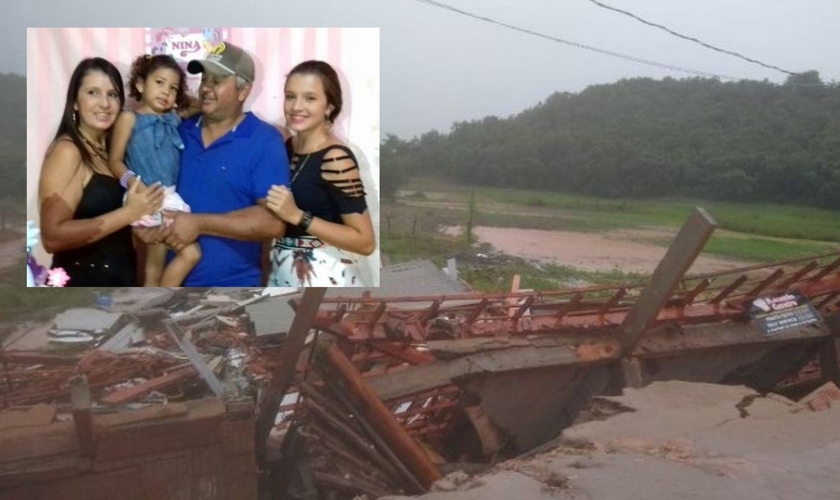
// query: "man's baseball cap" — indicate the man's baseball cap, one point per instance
point(225, 59)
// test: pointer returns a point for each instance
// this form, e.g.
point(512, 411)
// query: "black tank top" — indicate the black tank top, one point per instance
point(110, 261)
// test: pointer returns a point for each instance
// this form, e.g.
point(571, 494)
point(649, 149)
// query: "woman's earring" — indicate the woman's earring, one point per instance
point(75, 119)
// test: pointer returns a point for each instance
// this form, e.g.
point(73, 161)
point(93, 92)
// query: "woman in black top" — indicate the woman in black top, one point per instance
point(83, 219)
point(328, 222)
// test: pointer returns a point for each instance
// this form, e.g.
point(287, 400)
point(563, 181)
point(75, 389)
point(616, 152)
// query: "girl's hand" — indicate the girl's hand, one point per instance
point(144, 201)
point(280, 201)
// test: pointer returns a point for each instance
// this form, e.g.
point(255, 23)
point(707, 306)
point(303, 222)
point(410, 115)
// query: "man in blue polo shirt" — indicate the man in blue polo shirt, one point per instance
point(230, 160)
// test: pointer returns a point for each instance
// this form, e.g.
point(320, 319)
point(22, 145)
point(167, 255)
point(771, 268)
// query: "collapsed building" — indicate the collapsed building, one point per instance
point(337, 393)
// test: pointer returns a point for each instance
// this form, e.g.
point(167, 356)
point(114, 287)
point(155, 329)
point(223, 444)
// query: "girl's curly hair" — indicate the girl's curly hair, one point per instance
point(143, 66)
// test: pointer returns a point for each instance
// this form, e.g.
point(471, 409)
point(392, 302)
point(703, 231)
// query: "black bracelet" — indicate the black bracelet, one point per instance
point(305, 221)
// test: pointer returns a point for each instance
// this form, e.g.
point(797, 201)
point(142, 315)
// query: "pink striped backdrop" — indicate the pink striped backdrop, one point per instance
point(52, 54)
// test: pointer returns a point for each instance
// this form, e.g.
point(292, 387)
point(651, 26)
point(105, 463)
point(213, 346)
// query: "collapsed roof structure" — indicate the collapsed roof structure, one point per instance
point(347, 392)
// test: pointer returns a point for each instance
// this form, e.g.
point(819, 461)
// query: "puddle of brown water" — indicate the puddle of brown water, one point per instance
point(591, 251)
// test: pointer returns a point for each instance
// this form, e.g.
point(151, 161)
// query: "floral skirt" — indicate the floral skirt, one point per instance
point(307, 261)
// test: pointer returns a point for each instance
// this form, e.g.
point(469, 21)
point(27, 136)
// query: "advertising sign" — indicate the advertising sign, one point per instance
point(783, 312)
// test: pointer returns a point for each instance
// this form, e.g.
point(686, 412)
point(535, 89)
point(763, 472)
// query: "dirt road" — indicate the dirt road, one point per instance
point(622, 249)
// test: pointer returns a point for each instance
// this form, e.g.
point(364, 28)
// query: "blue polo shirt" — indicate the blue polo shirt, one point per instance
point(233, 173)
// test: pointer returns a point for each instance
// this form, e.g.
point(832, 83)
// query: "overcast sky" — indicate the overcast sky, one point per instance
point(438, 67)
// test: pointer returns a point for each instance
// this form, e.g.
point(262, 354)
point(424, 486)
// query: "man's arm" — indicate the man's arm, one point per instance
point(246, 224)
point(254, 223)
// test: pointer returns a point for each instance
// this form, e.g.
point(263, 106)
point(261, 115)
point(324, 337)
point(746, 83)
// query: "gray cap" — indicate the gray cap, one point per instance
point(225, 59)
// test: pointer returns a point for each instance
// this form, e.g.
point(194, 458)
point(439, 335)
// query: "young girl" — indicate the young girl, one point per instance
point(146, 145)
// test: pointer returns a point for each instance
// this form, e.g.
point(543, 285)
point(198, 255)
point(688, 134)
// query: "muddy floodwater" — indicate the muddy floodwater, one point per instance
point(622, 249)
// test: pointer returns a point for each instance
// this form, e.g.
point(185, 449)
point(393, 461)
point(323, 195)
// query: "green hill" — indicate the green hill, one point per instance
point(739, 141)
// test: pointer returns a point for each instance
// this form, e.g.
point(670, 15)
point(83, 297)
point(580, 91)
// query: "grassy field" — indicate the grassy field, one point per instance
point(761, 233)
point(764, 219)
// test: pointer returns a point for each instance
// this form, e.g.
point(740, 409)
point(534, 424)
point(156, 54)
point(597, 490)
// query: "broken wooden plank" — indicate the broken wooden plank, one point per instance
point(382, 420)
point(82, 418)
point(195, 357)
point(157, 383)
point(282, 377)
point(681, 254)
point(410, 482)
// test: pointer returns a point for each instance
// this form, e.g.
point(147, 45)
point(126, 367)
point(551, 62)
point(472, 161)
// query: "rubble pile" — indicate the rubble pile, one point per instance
point(134, 355)
point(343, 396)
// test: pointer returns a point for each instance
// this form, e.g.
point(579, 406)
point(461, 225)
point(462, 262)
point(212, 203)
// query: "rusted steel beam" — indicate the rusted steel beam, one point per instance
point(517, 315)
point(573, 302)
point(476, 312)
point(728, 290)
point(578, 321)
point(828, 284)
point(430, 313)
point(691, 296)
point(825, 271)
point(377, 313)
point(132, 393)
point(798, 275)
point(681, 254)
point(409, 480)
point(827, 300)
point(383, 420)
point(282, 377)
point(82, 417)
point(763, 285)
point(619, 294)
point(348, 433)
point(38, 357)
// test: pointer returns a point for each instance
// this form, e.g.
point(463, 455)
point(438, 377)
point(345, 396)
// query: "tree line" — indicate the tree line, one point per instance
point(746, 141)
point(12, 142)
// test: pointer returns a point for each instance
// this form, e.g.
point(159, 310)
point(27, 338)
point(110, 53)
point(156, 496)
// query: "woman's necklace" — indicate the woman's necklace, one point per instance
point(300, 168)
point(303, 163)
point(98, 151)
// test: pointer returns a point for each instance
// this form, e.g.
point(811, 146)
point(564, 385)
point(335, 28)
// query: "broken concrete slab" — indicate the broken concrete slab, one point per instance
point(681, 407)
point(271, 316)
point(682, 440)
point(129, 335)
point(87, 320)
point(134, 300)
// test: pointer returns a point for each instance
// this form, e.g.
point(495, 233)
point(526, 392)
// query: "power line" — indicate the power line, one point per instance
point(691, 39)
point(444, 6)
